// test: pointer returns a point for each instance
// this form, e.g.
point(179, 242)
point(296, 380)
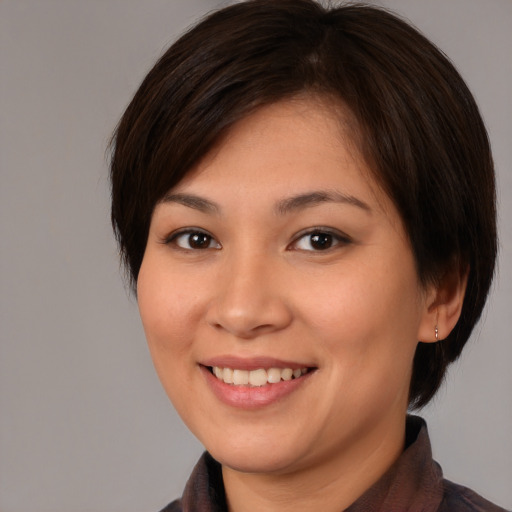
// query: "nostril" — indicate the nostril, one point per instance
point(248, 305)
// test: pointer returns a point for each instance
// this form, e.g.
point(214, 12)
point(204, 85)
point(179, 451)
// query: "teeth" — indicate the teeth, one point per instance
point(240, 377)
point(227, 376)
point(256, 378)
point(274, 375)
point(287, 374)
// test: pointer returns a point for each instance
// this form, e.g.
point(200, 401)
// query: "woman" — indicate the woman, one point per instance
point(304, 200)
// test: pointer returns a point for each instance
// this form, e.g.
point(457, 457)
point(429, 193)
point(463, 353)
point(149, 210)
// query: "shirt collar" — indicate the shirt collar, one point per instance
point(414, 482)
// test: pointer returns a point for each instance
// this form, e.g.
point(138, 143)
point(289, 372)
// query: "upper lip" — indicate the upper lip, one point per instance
point(252, 363)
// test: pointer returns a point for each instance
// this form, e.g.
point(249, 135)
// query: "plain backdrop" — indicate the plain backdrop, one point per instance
point(84, 424)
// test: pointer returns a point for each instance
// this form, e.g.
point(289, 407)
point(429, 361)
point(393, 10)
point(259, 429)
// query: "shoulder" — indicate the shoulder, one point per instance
point(457, 498)
point(174, 506)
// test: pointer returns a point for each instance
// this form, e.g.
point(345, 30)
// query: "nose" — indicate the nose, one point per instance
point(249, 299)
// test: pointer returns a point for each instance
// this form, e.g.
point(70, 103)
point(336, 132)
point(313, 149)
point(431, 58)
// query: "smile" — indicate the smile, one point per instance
point(256, 378)
point(254, 383)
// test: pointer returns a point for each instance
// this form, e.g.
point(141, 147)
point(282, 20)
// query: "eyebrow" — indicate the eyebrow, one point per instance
point(315, 198)
point(192, 201)
point(283, 207)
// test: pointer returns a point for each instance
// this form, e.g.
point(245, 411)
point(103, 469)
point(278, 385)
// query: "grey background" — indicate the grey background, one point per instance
point(84, 424)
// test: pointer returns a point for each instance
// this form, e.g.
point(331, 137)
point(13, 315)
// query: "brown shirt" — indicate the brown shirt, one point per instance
point(413, 484)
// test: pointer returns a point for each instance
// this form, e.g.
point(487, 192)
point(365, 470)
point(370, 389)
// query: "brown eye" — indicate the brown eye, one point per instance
point(320, 241)
point(199, 240)
point(194, 240)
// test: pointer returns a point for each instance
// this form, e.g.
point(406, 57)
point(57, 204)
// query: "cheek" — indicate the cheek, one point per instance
point(168, 309)
point(368, 315)
point(166, 306)
point(367, 331)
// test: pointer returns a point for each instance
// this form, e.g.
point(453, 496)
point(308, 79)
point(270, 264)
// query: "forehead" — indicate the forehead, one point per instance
point(289, 147)
point(280, 133)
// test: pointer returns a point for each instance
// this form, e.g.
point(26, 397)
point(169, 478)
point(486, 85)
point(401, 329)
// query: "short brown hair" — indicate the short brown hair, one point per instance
point(420, 132)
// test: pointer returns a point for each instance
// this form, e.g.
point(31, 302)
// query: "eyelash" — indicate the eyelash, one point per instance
point(174, 237)
point(337, 238)
point(334, 239)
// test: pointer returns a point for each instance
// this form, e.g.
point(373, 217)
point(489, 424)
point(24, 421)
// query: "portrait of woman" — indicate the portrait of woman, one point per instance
point(306, 210)
point(304, 199)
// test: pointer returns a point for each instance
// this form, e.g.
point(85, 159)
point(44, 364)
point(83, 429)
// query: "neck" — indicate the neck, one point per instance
point(330, 484)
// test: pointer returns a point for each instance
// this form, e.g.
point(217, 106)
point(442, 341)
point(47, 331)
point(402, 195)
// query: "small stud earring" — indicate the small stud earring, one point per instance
point(436, 331)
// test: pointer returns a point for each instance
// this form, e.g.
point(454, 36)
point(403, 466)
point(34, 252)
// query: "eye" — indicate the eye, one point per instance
point(319, 240)
point(193, 240)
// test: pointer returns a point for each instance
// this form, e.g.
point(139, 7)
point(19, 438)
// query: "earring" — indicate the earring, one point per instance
point(436, 331)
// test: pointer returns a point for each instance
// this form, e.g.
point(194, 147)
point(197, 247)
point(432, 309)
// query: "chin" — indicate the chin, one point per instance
point(253, 461)
point(255, 457)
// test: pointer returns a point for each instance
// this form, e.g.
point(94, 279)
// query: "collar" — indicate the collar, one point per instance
point(414, 482)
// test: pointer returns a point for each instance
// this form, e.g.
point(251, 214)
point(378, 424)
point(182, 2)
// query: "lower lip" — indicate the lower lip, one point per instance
point(249, 397)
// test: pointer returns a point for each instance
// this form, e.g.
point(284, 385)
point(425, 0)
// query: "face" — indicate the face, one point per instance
point(279, 296)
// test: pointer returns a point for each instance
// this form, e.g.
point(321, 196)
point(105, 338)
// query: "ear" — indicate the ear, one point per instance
point(443, 305)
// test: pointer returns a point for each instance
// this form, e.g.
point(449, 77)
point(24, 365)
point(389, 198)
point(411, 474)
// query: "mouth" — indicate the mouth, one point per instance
point(258, 377)
point(255, 383)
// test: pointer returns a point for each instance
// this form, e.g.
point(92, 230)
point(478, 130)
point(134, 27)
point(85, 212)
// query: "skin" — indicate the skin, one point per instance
point(354, 311)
